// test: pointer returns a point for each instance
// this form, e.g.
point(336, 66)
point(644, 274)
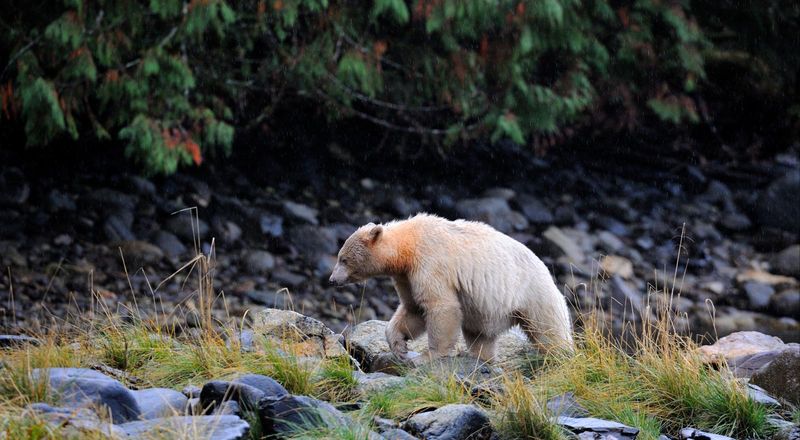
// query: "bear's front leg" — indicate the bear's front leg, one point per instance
point(443, 323)
point(404, 326)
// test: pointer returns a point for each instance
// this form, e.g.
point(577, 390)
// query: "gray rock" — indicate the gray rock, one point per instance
point(565, 405)
point(535, 211)
point(780, 377)
point(225, 231)
point(82, 420)
point(560, 244)
point(222, 427)
point(397, 434)
point(139, 253)
point(170, 244)
point(313, 241)
point(696, 434)
point(247, 390)
point(228, 408)
point(286, 414)
point(191, 391)
point(735, 221)
point(160, 402)
point(627, 297)
point(269, 299)
point(285, 278)
point(139, 185)
point(777, 205)
point(258, 261)
point(271, 225)
point(405, 206)
point(81, 387)
point(787, 261)
point(494, 211)
point(786, 303)
point(59, 201)
point(758, 294)
point(313, 338)
point(187, 227)
point(14, 189)
point(598, 428)
point(18, 341)
point(609, 242)
point(451, 422)
point(105, 199)
point(300, 212)
point(367, 343)
point(369, 383)
point(500, 193)
point(761, 396)
point(117, 227)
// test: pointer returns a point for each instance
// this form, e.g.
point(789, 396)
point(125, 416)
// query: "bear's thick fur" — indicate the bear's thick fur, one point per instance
point(457, 275)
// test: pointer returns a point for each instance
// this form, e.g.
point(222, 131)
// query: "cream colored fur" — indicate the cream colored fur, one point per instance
point(458, 276)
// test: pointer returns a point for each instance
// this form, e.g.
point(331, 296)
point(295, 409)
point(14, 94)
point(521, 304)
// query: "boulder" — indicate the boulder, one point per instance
point(301, 213)
point(370, 383)
point(313, 241)
point(787, 261)
point(777, 205)
point(224, 427)
point(781, 376)
point(560, 244)
point(286, 414)
point(592, 428)
point(170, 244)
point(302, 335)
point(246, 390)
point(258, 261)
point(367, 343)
point(160, 402)
point(17, 341)
point(745, 352)
point(758, 294)
point(81, 387)
point(451, 422)
point(187, 226)
point(494, 211)
point(536, 211)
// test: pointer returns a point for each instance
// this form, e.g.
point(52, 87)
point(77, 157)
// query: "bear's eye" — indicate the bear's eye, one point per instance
point(343, 260)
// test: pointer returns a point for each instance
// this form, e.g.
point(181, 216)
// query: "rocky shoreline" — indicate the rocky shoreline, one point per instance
point(108, 403)
point(71, 242)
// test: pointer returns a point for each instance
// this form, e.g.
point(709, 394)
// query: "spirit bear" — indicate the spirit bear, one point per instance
point(457, 275)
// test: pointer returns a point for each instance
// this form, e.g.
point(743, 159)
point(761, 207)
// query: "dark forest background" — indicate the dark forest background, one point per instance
point(172, 84)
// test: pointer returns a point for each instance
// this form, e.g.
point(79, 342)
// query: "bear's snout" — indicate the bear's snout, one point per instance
point(339, 276)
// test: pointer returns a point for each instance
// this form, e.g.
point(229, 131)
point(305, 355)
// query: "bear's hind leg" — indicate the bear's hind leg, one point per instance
point(546, 336)
point(480, 346)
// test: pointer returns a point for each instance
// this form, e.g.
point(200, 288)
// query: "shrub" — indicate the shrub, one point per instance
point(170, 78)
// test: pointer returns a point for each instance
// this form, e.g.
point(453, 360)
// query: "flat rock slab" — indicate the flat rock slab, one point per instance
point(206, 427)
point(696, 434)
point(81, 387)
point(367, 343)
point(451, 422)
point(81, 420)
point(591, 427)
point(17, 341)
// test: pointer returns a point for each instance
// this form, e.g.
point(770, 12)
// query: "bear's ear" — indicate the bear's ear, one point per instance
point(375, 233)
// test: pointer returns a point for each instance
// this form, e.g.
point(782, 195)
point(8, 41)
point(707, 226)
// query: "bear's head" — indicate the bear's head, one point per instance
point(359, 257)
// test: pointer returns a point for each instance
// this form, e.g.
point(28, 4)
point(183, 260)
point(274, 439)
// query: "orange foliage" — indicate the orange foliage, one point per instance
point(176, 138)
point(277, 5)
point(9, 102)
